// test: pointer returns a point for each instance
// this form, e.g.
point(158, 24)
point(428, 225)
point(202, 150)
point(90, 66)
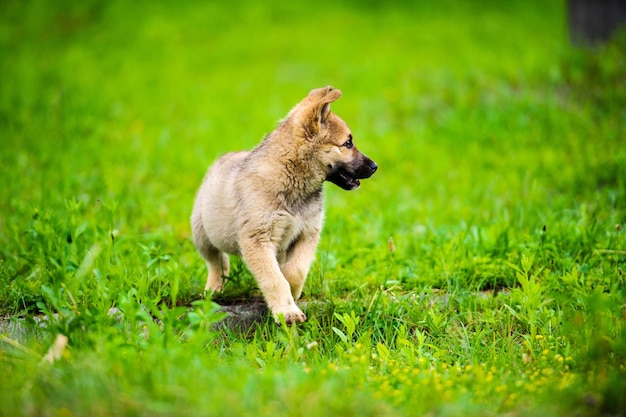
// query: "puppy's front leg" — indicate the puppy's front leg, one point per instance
point(260, 257)
point(298, 262)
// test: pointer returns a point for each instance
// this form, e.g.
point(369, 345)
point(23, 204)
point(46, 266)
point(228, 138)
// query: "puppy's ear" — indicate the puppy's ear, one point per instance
point(308, 116)
point(322, 107)
point(314, 110)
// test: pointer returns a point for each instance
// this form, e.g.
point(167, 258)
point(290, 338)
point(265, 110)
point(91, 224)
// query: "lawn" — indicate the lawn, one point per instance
point(479, 272)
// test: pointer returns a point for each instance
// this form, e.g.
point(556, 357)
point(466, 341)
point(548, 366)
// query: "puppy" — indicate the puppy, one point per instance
point(266, 205)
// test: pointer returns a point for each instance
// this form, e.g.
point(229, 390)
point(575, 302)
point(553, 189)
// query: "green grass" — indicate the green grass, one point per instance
point(479, 272)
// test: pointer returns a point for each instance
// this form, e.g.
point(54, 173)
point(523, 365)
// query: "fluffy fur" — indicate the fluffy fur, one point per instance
point(266, 205)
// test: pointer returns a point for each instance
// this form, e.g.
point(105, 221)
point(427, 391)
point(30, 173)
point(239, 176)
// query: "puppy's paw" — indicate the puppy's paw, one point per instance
point(214, 284)
point(292, 314)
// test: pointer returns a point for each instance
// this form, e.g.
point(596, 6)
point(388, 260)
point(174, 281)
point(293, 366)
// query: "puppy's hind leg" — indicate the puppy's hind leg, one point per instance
point(219, 267)
point(217, 261)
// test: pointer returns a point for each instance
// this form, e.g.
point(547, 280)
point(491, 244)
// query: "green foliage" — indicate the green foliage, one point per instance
point(479, 272)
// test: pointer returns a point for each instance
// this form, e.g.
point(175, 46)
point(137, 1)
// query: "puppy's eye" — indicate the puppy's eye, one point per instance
point(349, 143)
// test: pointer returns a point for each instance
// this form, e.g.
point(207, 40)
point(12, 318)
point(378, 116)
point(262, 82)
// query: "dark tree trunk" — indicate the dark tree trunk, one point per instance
point(594, 21)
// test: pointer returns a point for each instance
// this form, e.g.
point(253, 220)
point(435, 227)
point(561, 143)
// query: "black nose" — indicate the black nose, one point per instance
point(367, 169)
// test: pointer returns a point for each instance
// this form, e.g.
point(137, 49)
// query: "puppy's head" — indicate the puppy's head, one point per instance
point(331, 140)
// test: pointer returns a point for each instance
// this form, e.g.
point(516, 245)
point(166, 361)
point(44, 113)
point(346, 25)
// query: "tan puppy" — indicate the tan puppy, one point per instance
point(266, 206)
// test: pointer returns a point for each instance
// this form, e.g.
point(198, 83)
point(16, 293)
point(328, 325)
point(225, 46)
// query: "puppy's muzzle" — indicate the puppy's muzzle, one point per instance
point(367, 169)
point(348, 176)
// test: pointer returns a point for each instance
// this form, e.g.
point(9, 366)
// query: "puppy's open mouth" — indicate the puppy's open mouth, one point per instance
point(350, 180)
point(343, 179)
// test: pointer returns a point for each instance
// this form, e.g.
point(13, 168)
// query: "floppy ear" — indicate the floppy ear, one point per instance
point(308, 115)
point(315, 109)
point(323, 105)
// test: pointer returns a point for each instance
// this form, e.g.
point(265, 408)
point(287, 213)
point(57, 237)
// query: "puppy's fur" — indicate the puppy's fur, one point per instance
point(265, 205)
